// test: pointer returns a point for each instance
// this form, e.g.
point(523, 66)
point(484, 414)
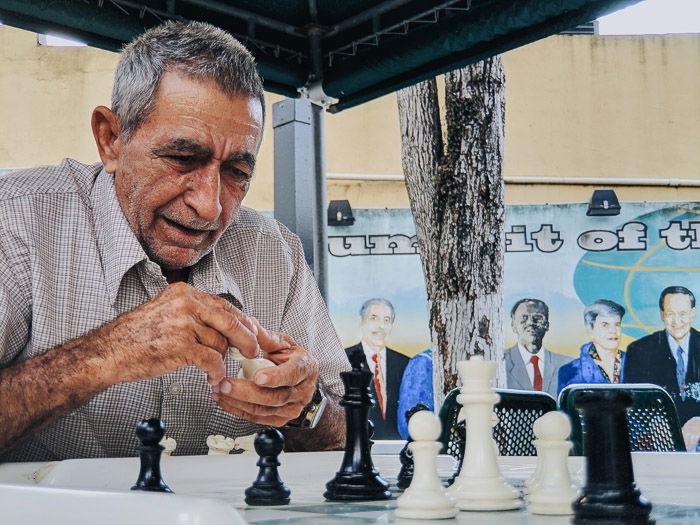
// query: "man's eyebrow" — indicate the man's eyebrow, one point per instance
point(183, 146)
point(246, 158)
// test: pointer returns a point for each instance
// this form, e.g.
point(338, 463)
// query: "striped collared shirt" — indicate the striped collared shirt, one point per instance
point(69, 263)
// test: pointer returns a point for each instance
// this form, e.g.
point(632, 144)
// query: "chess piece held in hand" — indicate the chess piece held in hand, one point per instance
point(480, 485)
point(425, 498)
point(551, 490)
point(248, 367)
point(268, 488)
point(150, 432)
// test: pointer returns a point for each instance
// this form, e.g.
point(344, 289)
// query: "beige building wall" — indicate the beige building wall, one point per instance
point(576, 107)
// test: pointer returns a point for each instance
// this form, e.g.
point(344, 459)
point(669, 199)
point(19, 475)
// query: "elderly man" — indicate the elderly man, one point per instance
point(670, 358)
point(377, 318)
point(529, 366)
point(123, 284)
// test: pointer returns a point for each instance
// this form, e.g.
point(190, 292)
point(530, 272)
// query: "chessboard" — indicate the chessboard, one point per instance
point(670, 480)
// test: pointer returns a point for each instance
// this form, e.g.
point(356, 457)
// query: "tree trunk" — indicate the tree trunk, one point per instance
point(455, 187)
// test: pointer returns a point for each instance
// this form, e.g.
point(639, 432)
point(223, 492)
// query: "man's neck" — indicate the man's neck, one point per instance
point(373, 348)
point(177, 275)
point(532, 348)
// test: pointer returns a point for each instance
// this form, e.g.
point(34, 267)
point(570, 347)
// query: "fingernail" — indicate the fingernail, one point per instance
point(261, 379)
point(225, 387)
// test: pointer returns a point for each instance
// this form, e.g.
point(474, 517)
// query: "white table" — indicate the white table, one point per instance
point(671, 481)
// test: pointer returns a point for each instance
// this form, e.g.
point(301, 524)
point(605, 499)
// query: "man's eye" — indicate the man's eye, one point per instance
point(236, 173)
point(185, 160)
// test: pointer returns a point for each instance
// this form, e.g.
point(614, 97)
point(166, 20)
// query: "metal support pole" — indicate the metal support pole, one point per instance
point(300, 182)
point(320, 215)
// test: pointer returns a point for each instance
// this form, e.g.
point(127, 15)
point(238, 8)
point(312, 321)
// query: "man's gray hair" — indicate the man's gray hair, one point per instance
point(602, 307)
point(200, 50)
point(377, 300)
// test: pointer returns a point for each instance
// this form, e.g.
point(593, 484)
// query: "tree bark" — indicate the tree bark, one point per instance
point(455, 187)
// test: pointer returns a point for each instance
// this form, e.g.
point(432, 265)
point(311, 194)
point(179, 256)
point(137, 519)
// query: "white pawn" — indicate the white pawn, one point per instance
point(219, 445)
point(169, 445)
point(248, 366)
point(480, 485)
point(425, 498)
point(550, 488)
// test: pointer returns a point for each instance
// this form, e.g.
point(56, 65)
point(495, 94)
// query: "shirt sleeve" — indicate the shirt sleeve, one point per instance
point(307, 320)
point(15, 303)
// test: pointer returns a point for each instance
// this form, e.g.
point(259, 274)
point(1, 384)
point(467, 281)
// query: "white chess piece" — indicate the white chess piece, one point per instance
point(219, 445)
point(169, 445)
point(248, 366)
point(480, 485)
point(551, 490)
point(425, 498)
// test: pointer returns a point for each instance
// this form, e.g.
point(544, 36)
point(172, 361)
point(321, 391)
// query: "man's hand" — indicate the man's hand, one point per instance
point(277, 394)
point(179, 327)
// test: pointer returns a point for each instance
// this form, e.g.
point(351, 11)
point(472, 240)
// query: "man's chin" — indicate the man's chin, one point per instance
point(176, 258)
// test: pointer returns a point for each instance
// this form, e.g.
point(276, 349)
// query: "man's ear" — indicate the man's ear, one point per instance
point(105, 129)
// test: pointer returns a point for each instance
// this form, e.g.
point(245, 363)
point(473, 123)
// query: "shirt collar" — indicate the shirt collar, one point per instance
point(673, 344)
point(208, 277)
point(527, 355)
point(120, 250)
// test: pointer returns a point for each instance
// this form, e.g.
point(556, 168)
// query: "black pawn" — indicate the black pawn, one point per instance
point(268, 488)
point(461, 446)
point(406, 456)
point(610, 494)
point(150, 432)
point(357, 479)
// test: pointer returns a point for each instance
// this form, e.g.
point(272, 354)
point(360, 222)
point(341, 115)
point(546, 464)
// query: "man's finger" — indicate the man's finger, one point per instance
point(245, 390)
point(300, 366)
point(289, 411)
point(228, 323)
point(274, 421)
point(210, 362)
point(211, 338)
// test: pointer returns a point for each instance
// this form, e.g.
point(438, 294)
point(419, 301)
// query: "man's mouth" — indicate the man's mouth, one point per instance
point(193, 234)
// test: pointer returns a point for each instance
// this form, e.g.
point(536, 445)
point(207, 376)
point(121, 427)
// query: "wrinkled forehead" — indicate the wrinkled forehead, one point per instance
point(676, 302)
point(530, 308)
point(380, 310)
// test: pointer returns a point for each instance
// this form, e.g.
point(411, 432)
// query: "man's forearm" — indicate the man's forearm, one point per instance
point(40, 390)
point(329, 434)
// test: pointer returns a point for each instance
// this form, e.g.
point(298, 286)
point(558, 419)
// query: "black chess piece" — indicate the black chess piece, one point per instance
point(268, 488)
point(357, 479)
point(370, 434)
point(461, 446)
point(610, 494)
point(406, 456)
point(150, 432)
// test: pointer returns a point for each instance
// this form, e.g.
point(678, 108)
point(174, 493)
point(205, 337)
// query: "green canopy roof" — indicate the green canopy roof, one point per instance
point(356, 50)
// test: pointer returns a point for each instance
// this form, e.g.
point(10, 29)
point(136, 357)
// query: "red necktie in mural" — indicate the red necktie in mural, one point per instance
point(537, 381)
point(378, 382)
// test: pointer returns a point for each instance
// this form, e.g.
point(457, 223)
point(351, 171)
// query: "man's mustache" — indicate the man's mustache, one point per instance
point(193, 223)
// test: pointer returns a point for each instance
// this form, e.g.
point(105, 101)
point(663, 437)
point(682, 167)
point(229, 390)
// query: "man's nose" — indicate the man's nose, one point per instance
point(203, 195)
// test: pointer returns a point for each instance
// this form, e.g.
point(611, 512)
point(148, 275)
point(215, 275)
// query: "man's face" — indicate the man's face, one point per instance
point(181, 178)
point(606, 331)
point(377, 324)
point(678, 315)
point(530, 324)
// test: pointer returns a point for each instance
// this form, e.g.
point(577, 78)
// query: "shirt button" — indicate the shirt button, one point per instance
point(175, 389)
point(151, 269)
